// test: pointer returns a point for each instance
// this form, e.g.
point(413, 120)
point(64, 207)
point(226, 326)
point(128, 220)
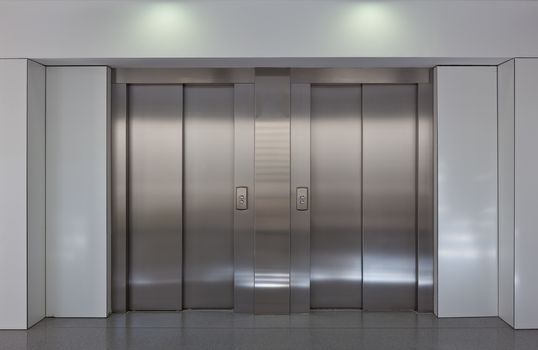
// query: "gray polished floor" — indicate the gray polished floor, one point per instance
point(226, 330)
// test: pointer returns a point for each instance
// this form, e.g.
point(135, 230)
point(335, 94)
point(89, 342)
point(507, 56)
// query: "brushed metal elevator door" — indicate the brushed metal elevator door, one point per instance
point(363, 196)
point(389, 197)
point(335, 241)
point(208, 255)
point(154, 187)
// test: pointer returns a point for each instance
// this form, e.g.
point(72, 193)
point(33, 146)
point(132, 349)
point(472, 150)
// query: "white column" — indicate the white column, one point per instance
point(22, 195)
point(518, 193)
point(78, 229)
point(506, 191)
point(466, 190)
point(36, 192)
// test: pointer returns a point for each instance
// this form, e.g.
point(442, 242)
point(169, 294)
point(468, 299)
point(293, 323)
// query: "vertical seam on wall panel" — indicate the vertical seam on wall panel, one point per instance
point(514, 205)
point(45, 183)
point(27, 200)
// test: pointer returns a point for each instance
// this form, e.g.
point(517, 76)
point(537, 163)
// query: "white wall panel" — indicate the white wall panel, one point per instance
point(506, 191)
point(518, 193)
point(36, 192)
point(466, 112)
point(77, 201)
point(526, 193)
point(13, 80)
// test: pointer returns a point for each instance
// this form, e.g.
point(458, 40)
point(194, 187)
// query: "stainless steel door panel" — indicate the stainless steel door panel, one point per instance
point(272, 192)
point(155, 140)
point(208, 197)
point(389, 190)
point(336, 197)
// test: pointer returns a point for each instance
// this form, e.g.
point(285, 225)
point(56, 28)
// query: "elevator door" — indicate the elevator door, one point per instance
point(180, 195)
point(389, 197)
point(363, 197)
point(208, 197)
point(335, 224)
point(154, 197)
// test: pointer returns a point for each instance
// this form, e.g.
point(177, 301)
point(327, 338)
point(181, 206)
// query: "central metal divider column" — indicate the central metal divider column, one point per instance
point(300, 215)
point(272, 192)
point(244, 178)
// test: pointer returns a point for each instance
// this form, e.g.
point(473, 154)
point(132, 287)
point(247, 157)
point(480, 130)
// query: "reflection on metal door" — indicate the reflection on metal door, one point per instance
point(389, 192)
point(208, 197)
point(181, 170)
point(363, 173)
point(155, 133)
point(335, 236)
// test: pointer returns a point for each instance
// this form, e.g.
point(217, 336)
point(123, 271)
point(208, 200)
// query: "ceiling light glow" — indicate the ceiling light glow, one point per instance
point(371, 21)
point(160, 26)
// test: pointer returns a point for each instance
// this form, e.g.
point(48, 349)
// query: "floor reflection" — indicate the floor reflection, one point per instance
point(226, 330)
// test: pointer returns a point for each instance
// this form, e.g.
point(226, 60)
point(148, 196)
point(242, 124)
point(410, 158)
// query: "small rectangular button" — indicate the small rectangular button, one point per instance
point(302, 198)
point(241, 198)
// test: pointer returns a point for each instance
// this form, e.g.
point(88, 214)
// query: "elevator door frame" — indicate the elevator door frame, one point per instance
point(302, 79)
point(244, 80)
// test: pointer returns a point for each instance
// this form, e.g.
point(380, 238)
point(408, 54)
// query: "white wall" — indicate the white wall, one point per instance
point(247, 28)
point(78, 238)
point(526, 193)
point(22, 195)
point(36, 192)
point(13, 194)
point(518, 205)
point(466, 232)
